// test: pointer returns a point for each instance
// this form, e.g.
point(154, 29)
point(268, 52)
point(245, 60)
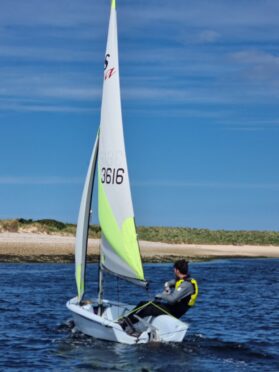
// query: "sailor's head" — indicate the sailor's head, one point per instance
point(180, 268)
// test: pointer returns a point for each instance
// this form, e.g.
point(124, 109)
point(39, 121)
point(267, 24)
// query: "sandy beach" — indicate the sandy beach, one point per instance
point(34, 247)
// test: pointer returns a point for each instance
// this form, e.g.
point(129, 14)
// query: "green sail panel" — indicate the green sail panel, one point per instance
point(116, 215)
point(120, 249)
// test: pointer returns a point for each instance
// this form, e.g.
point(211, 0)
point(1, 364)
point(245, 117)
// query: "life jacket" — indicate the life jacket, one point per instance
point(194, 296)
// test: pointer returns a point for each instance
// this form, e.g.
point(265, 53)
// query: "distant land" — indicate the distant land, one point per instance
point(53, 241)
point(171, 235)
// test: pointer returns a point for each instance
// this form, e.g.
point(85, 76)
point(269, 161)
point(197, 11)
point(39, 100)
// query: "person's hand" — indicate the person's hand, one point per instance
point(167, 288)
point(158, 296)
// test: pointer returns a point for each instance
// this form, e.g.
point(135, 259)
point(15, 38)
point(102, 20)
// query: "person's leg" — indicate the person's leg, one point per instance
point(179, 309)
point(143, 309)
point(153, 308)
point(129, 320)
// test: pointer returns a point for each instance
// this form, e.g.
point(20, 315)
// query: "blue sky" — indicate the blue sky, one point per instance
point(200, 92)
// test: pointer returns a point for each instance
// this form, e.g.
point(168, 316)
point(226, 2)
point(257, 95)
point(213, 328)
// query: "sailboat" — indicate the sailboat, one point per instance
point(119, 248)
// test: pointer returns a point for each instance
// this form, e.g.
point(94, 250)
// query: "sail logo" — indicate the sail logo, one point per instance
point(110, 71)
point(106, 61)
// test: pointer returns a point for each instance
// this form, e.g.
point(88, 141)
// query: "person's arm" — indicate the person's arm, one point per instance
point(184, 290)
point(171, 283)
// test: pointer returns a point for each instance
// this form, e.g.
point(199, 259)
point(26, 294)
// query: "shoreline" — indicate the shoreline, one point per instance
point(34, 247)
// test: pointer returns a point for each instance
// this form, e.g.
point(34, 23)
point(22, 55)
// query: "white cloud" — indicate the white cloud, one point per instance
point(45, 54)
point(49, 43)
point(50, 180)
point(255, 56)
point(209, 36)
point(206, 184)
point(177, 95)
point(62, 13)
point(38, 107)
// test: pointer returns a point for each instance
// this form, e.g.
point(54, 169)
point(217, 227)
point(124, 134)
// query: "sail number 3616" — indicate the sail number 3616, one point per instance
point(112, 175)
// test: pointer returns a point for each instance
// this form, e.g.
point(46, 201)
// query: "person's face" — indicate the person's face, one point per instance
point(176, 272)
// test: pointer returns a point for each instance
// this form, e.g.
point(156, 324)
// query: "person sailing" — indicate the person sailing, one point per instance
point(178, 296)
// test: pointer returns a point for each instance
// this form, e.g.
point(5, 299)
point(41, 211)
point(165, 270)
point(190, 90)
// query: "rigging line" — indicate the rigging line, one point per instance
point(148, 292)
point(133, 310)
point(142, 307)
point(117, 291)
point(160, 308)
point(171, 332)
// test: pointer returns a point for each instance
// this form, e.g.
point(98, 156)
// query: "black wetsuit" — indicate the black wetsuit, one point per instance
point(174, 303)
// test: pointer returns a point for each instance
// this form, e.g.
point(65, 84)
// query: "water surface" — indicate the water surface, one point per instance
point(233, 327)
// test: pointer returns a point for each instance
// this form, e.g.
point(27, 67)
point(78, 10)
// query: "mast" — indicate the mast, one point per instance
point(100, 285)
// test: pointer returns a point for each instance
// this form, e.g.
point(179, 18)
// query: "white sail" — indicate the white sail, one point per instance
point(83, 222)
point(119, 243)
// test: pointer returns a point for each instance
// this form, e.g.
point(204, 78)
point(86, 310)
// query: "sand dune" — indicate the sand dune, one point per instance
point(43, 247)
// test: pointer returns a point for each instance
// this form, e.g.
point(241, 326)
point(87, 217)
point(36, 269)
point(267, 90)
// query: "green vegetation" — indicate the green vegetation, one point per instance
point(161, 234)
point(204, 236)
point(45, 226)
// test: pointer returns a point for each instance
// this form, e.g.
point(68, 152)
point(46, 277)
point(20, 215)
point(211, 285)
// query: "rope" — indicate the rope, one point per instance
point(148, 293)
point(117, 289)
point(133, 311)
point(142, 307)
point(164, 310)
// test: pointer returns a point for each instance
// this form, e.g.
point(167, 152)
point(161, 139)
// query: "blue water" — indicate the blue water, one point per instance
point(234, 326)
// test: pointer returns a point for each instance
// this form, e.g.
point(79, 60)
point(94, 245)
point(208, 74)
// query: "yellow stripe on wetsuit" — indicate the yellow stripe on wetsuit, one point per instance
point(194, 296)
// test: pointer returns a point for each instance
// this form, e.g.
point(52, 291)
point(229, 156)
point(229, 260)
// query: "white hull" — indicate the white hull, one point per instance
point(163, 328)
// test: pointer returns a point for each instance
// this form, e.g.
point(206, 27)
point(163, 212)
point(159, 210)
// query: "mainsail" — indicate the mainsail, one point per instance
point(119, 244)
point(83, 222)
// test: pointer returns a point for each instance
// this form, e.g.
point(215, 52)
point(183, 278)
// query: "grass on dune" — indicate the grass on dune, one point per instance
point(161, 234)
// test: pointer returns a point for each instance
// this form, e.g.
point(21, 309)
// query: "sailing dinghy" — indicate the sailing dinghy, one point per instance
point(119, 249)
